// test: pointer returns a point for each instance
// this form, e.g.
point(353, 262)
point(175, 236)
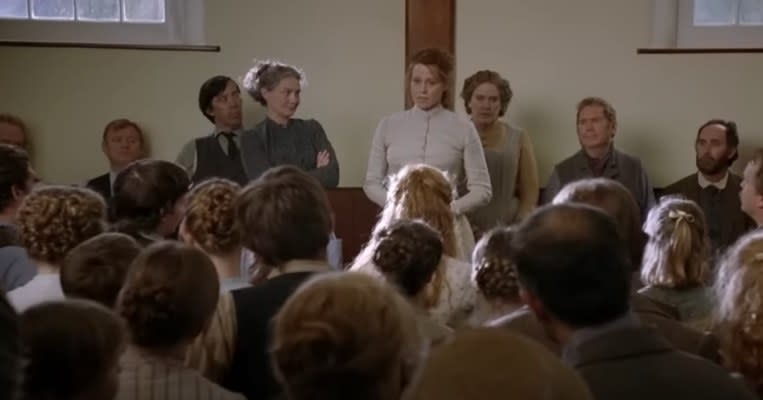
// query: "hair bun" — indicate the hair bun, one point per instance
point(394, 253)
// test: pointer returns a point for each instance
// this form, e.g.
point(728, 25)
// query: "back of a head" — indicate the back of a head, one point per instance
point(169, 296)
point(345, 336)
point(408, 254)
point(210, 218)
point(145, 191)
point(677, 254)
point(71, 350)
point(422, 192)
point(616, 201)
point(14, 173)
point(492, 267)
point(492, 363)
point(284, 215)
point(96, 268)
point(571, 258)
point(52, 220)
point(740, 307)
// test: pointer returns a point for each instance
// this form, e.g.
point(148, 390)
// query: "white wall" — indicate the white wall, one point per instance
point(352, 52)
point(555, 52)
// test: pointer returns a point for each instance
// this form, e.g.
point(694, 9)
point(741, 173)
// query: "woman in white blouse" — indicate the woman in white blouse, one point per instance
point(429, 133)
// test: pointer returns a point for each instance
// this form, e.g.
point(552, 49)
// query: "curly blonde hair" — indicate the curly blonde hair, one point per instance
point(52, 220)
point(419, 191)
point(210, 218)
point(677, 254)
point(345, 336)
point(493, 271)
point(739, 290)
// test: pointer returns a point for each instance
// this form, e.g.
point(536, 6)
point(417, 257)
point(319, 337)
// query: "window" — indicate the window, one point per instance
point(147, 22)
point(707, 24)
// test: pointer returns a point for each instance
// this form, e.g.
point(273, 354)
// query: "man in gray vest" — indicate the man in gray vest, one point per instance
point(217, 154)
point(596, 126)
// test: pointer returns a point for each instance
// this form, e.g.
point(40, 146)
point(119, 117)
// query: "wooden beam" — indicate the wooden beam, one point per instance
point(429, 23)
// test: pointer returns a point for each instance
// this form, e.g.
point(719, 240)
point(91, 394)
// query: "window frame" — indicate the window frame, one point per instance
point(673, 28)
point(183, 25)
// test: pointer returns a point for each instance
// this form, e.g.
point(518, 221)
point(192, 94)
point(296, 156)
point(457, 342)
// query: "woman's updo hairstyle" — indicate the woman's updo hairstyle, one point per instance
point(267, 74)
point(408, 253)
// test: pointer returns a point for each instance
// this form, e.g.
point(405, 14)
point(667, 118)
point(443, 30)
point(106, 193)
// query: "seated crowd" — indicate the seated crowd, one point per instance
point(204, 279)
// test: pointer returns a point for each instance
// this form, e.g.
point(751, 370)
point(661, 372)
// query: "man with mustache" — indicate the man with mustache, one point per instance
point(218, 154)
point(713, 186)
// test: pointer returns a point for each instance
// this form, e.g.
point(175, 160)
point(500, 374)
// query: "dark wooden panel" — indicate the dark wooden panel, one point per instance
point(354, 218)
point(429, 23)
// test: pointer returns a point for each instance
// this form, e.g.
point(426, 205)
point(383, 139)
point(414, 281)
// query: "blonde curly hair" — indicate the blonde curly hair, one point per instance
point(52, 220)
point(422, 192)
point(739, 290)
point(210, 218)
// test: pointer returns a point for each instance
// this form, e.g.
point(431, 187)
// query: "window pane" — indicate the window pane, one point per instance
point(715, 12)
point(98, 10)
point(14, 9)
point(751, 12)
point(53, 9)
point(144, 10)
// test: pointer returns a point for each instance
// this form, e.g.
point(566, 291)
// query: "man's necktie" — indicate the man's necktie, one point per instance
point(233, 152)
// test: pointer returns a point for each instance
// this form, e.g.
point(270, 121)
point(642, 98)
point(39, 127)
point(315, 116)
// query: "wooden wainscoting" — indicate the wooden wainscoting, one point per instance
point(354, 218)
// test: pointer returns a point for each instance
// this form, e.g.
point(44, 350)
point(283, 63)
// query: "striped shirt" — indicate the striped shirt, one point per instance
point(145, 377)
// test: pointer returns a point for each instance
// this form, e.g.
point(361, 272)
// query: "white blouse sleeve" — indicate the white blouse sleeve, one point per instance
point(377, 166)
point(477, 176)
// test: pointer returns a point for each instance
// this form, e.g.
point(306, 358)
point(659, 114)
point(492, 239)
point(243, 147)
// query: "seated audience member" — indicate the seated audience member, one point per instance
point(96, 269)
point(616, 201)
point(493, 274)
point(71, 351)
point(751, 196)
point(713, 187)
point(169, 298)
point(10, 350)
point(149, 200)
point(123, 142)
point(13, 131)
point(508, 152)
point(281, 139)
point(676, 265)
point(419, 191)
point(345, 336)
point(739, 311)
point(598, 157)
point(210, 225)
point(16, 181)
point(408, 254)
point(286, 222)
point(489, 364)
point(219, 153)
point(575, 275)
point(52, 220)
